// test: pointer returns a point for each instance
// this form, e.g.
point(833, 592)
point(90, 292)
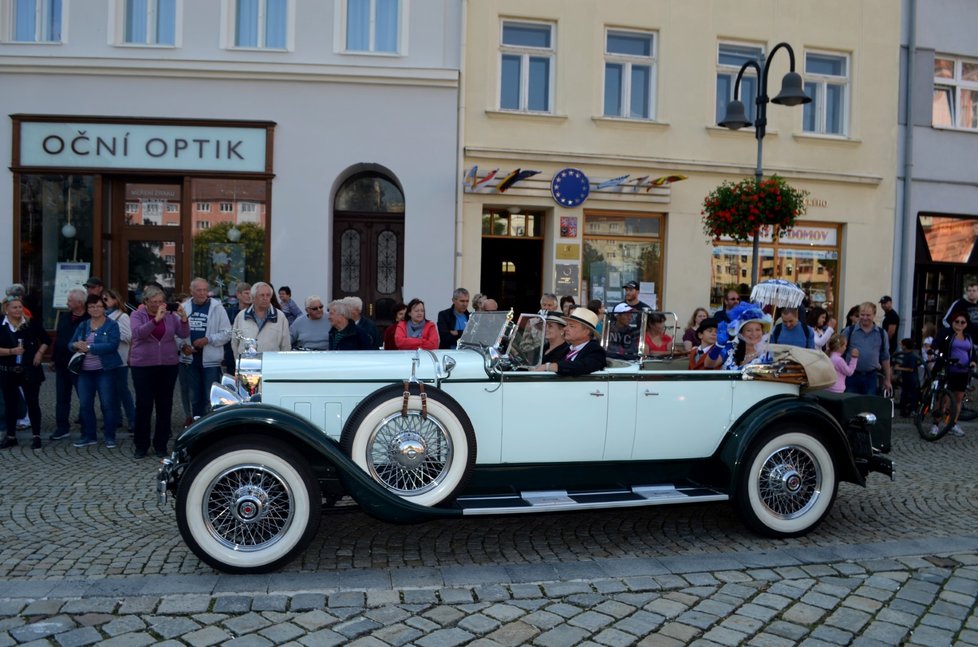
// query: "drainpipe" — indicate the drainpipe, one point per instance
point(460, 151)
point(906, 218)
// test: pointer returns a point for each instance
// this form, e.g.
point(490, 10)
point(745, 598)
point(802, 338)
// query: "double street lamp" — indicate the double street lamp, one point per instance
point(792, 94)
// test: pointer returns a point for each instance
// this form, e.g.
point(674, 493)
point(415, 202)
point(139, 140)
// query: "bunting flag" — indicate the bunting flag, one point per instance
point(470, 177)
point(491, 174)
point(615, 181)
point(639, 182)
point(516, 176)
point(664, 180)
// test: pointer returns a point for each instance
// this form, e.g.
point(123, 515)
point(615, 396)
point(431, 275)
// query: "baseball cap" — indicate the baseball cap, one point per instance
point(631, 285)
point(622, 308)
point(93, 282)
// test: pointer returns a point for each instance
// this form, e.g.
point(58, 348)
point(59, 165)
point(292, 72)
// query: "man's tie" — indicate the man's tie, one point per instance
point(571, 355)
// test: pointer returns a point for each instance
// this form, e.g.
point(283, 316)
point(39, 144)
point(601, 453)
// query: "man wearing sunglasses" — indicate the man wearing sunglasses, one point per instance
point(730, 301)
point(311, 330)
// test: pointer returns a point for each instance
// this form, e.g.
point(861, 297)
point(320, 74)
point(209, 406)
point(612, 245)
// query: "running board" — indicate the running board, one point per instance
point(561, 500)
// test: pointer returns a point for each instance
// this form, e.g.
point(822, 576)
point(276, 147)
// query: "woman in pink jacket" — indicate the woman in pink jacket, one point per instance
point(154, 360)
point(416, 331)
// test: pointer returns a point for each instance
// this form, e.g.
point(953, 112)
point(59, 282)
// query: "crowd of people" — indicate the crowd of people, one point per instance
point(162, 342)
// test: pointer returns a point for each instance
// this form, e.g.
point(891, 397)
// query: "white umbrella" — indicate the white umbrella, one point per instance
point(777, 292)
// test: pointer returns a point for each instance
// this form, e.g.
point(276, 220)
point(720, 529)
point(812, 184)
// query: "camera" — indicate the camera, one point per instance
point(172, 307)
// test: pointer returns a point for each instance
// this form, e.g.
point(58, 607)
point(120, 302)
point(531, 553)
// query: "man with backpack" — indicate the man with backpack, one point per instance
point(792, 331)
point(874, 353)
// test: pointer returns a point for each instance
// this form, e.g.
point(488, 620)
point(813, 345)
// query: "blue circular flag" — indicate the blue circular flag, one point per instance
point(570, 187)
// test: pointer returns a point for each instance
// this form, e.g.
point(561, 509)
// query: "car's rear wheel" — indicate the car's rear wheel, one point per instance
point(425, 457)
point(248, 505)
point(788, 483)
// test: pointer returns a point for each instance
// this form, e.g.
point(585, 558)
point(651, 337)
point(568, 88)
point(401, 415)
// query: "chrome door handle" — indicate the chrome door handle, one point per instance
point(597, 394)
point(647, 392)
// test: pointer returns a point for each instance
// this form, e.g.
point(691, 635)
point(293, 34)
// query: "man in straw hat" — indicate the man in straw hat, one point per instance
point(584, 355)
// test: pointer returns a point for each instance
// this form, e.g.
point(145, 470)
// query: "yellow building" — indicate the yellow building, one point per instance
point(604, 97)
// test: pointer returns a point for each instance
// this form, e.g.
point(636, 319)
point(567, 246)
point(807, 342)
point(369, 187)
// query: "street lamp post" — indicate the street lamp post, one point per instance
point(792, 94)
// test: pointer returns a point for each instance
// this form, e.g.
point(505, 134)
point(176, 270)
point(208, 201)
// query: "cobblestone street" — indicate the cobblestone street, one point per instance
point(87, 556)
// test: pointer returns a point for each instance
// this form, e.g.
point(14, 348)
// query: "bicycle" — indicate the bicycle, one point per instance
point(934, 415)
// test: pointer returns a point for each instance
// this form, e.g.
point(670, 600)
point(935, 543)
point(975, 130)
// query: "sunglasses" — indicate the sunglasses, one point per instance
point(314, 307)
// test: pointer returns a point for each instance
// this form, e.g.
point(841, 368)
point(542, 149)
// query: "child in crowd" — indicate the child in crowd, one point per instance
point(908, 361)
point(927, 344)
point(707, 355)
point(843, 369)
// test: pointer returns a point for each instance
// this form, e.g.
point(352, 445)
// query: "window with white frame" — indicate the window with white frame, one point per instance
point(373, 26)
point(32, 21)
point(260, 24)
point(227, 207)
point(132, 207)
point(955, 102)
point(629, 74)
point(148, 22)
point(526, 66)
point(173, 207)
point(203, 224)
point(827, 83)
point(730, 58)
point(203, 207)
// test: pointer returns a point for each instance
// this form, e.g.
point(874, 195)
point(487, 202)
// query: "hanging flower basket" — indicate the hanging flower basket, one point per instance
point(740, 209)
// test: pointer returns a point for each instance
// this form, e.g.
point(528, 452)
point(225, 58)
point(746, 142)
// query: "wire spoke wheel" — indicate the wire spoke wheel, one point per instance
point(248, 507)
point(410, 454)
point(790, 482)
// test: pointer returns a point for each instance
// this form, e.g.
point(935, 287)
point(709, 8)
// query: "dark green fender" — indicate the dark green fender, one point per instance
point(318, 448)
point(782, 410)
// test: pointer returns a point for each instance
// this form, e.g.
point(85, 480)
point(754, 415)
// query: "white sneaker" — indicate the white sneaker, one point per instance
point(934, 430)
point(957, 430)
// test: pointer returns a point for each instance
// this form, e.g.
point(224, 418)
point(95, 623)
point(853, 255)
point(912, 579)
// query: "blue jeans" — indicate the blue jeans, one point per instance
point(102, 382)
point(200, 379)
point(864, 382)
point(124, 395)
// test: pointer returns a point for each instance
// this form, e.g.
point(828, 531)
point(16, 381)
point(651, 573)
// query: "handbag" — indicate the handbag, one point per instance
point(75, 363)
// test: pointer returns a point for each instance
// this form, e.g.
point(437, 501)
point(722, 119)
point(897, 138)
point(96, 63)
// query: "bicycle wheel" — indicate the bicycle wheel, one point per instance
point(921, 415)
point(941, 417)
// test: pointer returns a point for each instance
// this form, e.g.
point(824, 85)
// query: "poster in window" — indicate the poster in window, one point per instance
point(568, 226)
point(568, 279)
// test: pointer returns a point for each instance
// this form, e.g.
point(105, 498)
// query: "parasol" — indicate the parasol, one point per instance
point(777, 292)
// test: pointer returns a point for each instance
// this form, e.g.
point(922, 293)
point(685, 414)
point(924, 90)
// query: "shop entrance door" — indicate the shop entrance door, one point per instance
point(512, 272)
point(936, 287)
point(148, 236)
point(368, 262)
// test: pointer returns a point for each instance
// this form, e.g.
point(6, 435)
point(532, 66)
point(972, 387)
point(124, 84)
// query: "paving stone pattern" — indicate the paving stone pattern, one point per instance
point(87, 557)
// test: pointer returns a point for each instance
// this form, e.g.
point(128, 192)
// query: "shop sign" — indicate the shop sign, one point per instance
point(139, 146)
point(799, 235)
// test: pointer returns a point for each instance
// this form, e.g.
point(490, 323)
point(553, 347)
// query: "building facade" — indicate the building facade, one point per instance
point(615, 106)
point(308, 143)
point(938, 183)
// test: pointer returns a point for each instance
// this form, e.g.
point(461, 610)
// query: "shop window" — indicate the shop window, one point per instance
point(827, 83)
point(620, 247)
point(148, 22)
point(56, 225)
point(526, 67)
point(260, 24)
point(31, 21)
point(373, 26)
point(807, 255)
point(629, 74)
point(503, 224)
point(226, 249)
point(949, 239)
point(730, 57)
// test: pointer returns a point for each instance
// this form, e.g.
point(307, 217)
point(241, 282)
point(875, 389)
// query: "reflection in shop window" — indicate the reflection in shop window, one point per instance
point(807, 255)
point(622, 247)
point(229, 249)
point(949, 240)
point(56, 224)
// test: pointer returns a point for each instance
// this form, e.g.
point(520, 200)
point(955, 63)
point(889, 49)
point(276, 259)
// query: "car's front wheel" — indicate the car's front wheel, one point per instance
point(423, 453)
point(248, 505)
point(788, 483)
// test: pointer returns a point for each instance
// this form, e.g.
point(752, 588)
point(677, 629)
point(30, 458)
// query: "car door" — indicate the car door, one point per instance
point(681, 415)
point(550, 419)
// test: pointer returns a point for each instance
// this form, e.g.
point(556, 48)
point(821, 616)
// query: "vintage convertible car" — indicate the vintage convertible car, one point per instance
point(470, 431)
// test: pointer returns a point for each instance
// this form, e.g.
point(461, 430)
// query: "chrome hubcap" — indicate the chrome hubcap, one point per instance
point(408, 450)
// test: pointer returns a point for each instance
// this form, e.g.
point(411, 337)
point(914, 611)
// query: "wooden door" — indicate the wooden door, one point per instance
point(368, 262)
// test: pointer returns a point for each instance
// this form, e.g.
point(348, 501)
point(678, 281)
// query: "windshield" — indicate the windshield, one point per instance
point(527, 345)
